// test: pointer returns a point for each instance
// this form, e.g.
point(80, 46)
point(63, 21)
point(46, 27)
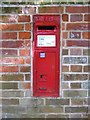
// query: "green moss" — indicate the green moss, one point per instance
point(10, 10)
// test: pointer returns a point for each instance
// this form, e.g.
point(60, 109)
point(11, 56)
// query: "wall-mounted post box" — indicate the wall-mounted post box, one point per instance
point(46, 55)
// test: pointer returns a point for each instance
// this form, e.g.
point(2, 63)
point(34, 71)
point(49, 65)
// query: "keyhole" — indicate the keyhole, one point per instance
point(41, 76)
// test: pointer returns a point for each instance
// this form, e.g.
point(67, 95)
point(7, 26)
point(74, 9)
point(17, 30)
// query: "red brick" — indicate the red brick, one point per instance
point(87, 17)
point(74, 51)
point(12, 61)
point(9, 52)
point(25, 69)
point(28, 60)
point(8, 35)
point(65, 17)
point(75, 18)
point(9, 69)
point(63, 26)
point(24, 18)
point(54, 9)
point(25, 52)
point(86, 35)
point(28, 26)
point(65, 35)
point(76, 68)
point(27, 43)
point(11, 27)
point(77, 9)
point(78, 26)
point(63, 43)
point(24, 35)
point(12, 44)
point(81, 43)
point(27, 85)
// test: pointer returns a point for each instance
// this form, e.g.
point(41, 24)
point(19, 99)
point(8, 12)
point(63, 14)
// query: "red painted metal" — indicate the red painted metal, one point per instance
point(46, 55)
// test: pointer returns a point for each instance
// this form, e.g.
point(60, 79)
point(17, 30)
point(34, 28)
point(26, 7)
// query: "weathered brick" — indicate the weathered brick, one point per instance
point(9, 35)
point(65, 85)
point(77, 101)
point(23, 18)
point(24, 52)
point(77, 9)
point(85, 85)
point(75, 35)
point(65, 68)
point(13, 93)
point(8, 53)
point(27, 77)
point(80, 43)
point(57, 116)
point(11, 61)
point(75, 93)
point(57, 101)
point(31, 102)
point(87, 68)
point(64, 51)
point(86, 35)
point(28, 10)
point(28, 61)
point(75, 18)
point(51, 109)
point(9, 69)
point(28, 26)
point(75, 60)
point(86, 52)
point(65, 35)
point(28, 43)
point(11, 10)
point(25, 69)
point(63, 26)
point(12, 44)
point(65, 17)
point(76, 51)
point(76, 109)
point(10, 101)
point(54, 9)
point(24, 35)
point(78, 26)
point(75, 85)
point(27, 93)
point(75, 77)
point(32, 116)
point(76, 68)
point(24, 85)
point(87, 17)
point(11, 27)
point(12, 77)
point(76, 116)
point(13, 109)
point(9, 85)
point(9, 18)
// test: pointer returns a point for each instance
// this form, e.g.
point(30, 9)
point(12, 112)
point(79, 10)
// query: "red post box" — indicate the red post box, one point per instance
point(46, 55)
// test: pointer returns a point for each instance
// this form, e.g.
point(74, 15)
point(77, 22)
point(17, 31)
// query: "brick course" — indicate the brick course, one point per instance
point(16, 45)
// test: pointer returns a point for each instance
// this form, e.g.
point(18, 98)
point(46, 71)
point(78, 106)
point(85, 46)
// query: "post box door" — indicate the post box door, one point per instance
point(46, 74)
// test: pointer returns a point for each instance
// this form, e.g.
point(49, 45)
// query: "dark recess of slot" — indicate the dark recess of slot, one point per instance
point(46, 27)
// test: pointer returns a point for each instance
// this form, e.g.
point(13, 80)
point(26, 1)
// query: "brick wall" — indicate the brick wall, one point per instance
point(15, 64)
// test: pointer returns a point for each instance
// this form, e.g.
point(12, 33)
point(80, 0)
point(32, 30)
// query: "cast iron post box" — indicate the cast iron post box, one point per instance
point(46, 55)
